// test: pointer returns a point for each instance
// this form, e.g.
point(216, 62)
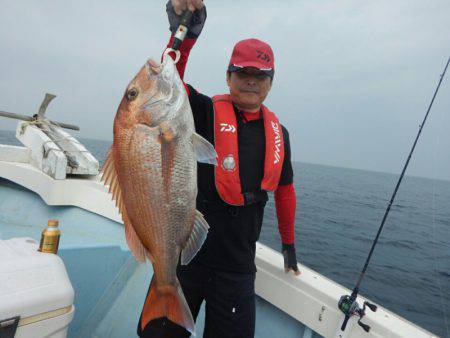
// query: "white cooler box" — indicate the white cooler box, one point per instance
point(36, 295)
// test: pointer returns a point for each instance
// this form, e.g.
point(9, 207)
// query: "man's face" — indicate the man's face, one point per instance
point(248, 88)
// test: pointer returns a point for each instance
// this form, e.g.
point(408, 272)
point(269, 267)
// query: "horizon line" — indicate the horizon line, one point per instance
point(313, 163)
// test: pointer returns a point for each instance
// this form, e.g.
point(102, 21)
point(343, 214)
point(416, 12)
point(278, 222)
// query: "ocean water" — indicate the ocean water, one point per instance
point(339, 211)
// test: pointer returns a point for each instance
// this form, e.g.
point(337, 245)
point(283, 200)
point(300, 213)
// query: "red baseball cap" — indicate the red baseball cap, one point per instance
point(252, 53)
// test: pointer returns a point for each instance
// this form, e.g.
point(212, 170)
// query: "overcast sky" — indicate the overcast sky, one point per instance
point(352, 84)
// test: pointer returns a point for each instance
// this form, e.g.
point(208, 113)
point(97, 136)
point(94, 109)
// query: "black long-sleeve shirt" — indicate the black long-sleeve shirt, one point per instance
point(230, 244)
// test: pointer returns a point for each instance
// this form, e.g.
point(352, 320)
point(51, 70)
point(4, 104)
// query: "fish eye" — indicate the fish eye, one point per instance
point(132, 94)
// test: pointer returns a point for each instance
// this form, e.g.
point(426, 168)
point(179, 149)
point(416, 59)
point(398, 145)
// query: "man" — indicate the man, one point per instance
point(253, 158)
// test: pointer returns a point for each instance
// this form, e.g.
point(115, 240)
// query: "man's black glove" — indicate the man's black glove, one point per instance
point(290, 259)
point(198, 21)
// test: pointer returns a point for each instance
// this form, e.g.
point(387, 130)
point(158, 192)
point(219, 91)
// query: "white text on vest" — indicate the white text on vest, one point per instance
point(277, 141)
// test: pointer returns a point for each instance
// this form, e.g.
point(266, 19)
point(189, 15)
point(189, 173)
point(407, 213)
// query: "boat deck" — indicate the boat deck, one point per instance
point(109, 301)
point(110, 286)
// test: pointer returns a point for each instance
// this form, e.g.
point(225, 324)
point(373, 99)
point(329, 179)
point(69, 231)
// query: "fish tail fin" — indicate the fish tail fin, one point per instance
point(167, 301)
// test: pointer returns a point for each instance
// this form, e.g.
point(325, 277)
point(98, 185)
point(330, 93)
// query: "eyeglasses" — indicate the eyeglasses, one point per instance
point(245, 74)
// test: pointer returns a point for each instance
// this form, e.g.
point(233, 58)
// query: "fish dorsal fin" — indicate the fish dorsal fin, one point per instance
point(196, 239)
point(204, 150)
point(109, 178)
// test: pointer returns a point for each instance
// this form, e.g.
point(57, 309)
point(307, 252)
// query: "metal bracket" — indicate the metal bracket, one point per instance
point(47, 99)
point(40, 116)
point(8, 327)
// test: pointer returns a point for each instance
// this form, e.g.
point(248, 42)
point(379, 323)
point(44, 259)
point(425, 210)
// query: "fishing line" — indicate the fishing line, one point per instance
point(348, 304)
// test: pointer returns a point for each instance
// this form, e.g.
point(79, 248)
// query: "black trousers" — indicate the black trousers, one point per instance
point(230, 304)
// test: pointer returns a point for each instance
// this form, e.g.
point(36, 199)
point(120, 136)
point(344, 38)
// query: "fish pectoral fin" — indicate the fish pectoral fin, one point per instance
point(167, 132)
point(204, 150)
point(109, 178)
point(195, 242)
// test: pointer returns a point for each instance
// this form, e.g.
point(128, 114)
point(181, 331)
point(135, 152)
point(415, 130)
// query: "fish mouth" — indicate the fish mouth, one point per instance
point(153, 68)
point(156, 68)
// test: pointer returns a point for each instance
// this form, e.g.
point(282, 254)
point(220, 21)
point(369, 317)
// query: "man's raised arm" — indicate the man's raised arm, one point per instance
point(175, 9)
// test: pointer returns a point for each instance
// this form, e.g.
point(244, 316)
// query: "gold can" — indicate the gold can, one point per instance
point(50, 237)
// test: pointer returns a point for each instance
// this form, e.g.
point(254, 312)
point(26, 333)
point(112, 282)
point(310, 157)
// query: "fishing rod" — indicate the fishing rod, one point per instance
point(348, 304)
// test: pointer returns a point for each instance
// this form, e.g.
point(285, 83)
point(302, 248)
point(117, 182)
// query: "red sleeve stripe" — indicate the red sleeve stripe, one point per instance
point(285, 203)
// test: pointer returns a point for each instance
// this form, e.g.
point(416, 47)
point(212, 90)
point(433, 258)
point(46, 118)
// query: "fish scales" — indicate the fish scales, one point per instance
point(152, 168)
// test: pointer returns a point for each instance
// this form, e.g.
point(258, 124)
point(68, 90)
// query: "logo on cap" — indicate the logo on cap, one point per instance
point(262, 56)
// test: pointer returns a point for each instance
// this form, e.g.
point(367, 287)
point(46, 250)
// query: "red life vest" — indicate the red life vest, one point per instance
point(228, 182)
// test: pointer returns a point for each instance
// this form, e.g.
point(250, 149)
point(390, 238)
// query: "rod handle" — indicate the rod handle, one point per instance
point(182, 30)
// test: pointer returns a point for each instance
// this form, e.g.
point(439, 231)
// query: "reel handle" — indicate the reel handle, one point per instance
point(371, 306)
point(364, 326)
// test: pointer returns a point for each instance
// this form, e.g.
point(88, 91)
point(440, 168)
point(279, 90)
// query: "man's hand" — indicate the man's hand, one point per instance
point(290, 259)
point(181, 5)
point(175, 8)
